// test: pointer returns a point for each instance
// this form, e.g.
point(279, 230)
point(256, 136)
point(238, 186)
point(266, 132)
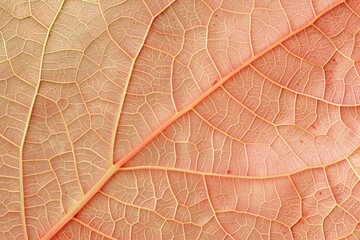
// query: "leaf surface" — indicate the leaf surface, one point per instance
point(179, 119)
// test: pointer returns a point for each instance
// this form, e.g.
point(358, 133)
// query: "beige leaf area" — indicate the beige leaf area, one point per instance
point(183, 119)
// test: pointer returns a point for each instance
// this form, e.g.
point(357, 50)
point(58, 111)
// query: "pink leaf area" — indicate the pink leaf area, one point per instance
point(180, 119)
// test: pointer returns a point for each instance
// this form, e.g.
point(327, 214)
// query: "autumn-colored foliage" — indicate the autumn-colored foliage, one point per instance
point(186, 119)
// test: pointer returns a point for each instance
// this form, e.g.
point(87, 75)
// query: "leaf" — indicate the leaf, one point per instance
point(179, 119)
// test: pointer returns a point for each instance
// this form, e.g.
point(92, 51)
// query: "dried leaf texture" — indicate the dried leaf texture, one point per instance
point(186, 119)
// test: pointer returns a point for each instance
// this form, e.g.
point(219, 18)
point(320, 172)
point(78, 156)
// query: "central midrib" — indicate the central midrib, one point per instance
point(114, 168)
